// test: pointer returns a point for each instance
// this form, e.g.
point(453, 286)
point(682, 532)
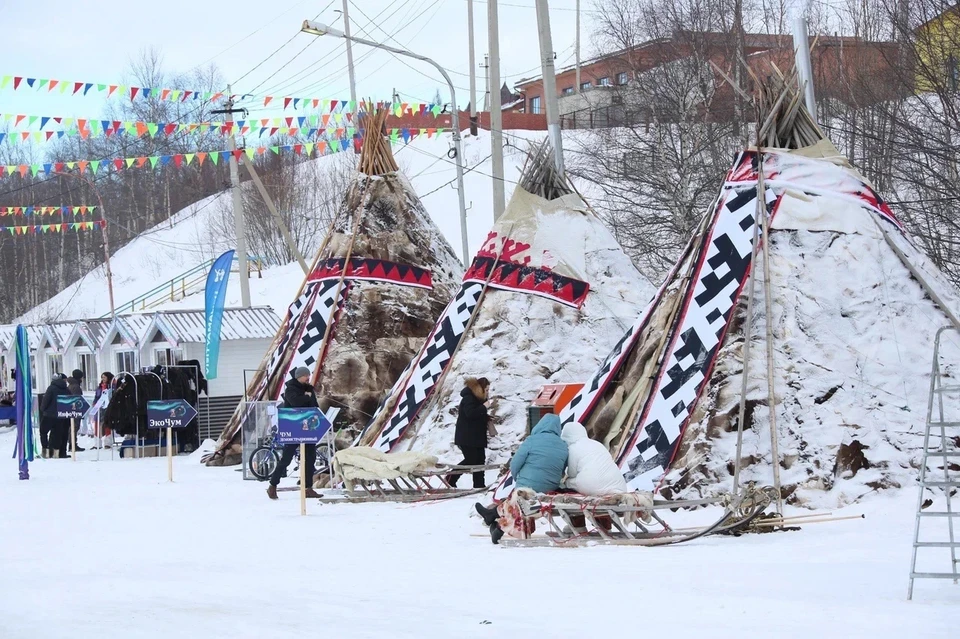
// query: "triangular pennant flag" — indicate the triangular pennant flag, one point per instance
point(188, 157)
point(71, 165)
point(5, 80)
point(164, 160)
point(111, 89)
point(82, 165)
point(152, 128)
point(153, 161)
point(101, 88)
point(201, 156)
point(86, 87)
point(129, 162)
point(133, 92)
point(250, 152)
point(94, 165)
point(178, 159)
point(141, 161)
point(308, 148)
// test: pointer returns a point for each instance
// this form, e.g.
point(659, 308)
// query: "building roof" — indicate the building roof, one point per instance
point(132, 329)
point(55, 334)
point(7, 335)
point(91, 332)
point(259, 322)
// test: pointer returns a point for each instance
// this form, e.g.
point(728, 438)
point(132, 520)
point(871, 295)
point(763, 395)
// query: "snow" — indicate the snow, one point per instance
point(191, 236)
point(111, 549)
point(853, 336)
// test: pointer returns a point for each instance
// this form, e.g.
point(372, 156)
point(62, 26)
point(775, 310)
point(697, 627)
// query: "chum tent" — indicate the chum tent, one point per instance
point(376, 286)
point(847, 304)
point(544, 298)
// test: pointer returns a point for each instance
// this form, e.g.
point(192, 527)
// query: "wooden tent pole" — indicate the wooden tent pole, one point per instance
point(747, 338)
point(768, 303)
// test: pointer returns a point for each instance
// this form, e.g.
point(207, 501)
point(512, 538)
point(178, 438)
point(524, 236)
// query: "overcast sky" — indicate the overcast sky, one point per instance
point(95, 40)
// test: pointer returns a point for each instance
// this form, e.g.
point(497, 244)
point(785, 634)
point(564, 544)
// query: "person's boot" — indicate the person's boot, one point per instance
point(489, 515)
point(272, 491)
point(312, 494)
point(496, 533)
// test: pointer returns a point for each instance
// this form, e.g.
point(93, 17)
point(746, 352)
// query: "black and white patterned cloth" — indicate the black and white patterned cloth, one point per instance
point(418, 381)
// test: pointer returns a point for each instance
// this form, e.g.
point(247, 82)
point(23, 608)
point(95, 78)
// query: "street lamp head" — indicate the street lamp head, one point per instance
point(319, 29)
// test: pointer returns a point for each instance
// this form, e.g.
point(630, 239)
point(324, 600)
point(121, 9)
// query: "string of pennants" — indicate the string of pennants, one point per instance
point(53, 228)
point(46, 210)
point(22, 83)
point(105, 128)
point(322, 147)
point(85, 128)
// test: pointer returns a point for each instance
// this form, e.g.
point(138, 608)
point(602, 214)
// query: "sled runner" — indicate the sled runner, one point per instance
point(630, 519)
point(369, 475)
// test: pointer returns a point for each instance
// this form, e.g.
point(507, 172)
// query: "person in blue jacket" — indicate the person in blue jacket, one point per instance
point(538, 464)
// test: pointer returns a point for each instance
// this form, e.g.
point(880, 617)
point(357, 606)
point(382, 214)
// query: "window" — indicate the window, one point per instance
point(88, 364)
point(535, 105)
point(54, 364)
point(586, 86)
point(953, 73)
point(167, 356)
point(604, 82)
point(622, 78)
point(4, 373)
point(126, 362)
point(567, 91)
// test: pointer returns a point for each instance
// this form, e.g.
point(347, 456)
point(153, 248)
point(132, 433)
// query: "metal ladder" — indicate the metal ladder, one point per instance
point(942, 453)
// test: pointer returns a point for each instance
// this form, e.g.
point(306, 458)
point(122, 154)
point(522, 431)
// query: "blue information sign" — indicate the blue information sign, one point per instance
point(71, 406)
point(301, 425)
point(169, 413)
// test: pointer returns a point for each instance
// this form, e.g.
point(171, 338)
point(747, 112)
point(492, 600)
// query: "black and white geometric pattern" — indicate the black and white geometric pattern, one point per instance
point(717, 280)
point(314, 326)
point(292, 327)
point(419, 379)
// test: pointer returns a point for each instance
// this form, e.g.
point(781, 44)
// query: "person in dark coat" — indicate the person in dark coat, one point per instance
point(298, 393)
point(75, 385)
point(473, 428)
point(53, 437)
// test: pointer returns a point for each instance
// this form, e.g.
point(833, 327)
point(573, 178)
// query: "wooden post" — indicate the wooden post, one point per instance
point(73, 438)
point(169, 454)
point(303, 479)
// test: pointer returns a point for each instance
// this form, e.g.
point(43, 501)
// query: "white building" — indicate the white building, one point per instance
point(245, 337)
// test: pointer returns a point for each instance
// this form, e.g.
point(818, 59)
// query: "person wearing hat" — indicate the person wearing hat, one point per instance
point(298, 393)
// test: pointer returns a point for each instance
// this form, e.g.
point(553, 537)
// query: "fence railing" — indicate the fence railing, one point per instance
point(179, 287)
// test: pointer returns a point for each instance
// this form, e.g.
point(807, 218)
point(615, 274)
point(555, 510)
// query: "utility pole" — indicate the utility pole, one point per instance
point(346, 32)
point(237, 205)
point(738, 64)
point(473, 70)
point(577, 47)
point(549, 82)
point(496, 111)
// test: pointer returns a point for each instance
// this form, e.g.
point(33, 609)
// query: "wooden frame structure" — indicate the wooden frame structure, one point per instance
point(416, 486)
point(616, 524)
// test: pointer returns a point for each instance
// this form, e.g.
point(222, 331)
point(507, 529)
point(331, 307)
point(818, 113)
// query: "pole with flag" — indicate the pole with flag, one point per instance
point(26, 445)
point(215, 294)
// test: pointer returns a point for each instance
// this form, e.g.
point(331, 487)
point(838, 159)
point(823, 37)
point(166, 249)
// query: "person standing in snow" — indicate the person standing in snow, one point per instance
point(473, 429)
point(53, 435)
point(75, 385)
point(590, 467)
point(106, 384)
point(538, 465)
point(298, 393)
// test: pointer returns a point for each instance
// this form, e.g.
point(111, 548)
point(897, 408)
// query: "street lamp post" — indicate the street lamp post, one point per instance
point(317, 29)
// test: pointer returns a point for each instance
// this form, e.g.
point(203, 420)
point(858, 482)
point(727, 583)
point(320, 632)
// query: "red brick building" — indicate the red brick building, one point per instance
point(848, 69)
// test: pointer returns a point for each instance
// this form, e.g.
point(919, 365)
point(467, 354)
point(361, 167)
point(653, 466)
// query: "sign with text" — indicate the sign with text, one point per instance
point(169, 413)
point(71, 406)
point(301, 425)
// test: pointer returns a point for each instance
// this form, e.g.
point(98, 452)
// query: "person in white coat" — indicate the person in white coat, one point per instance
point(590, 468)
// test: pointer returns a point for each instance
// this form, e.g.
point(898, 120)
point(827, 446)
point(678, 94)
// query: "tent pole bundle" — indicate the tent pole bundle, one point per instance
point(540, 175)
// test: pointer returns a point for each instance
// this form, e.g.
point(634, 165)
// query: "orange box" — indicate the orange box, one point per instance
point(556, 396)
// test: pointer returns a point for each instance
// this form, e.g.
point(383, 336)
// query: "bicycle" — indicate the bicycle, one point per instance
point(264, 459)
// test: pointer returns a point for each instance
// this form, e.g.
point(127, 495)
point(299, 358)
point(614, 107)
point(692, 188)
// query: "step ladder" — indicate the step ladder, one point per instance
point(944, 453)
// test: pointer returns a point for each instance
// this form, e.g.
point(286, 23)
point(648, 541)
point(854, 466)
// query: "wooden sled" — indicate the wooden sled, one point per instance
point(612, 524)
point(416, 486)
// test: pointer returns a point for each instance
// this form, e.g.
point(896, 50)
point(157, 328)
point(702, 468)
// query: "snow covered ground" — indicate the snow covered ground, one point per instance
point(110, 549)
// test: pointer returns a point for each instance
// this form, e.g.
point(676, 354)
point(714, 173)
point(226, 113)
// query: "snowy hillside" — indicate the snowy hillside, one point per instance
point(190, 238)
